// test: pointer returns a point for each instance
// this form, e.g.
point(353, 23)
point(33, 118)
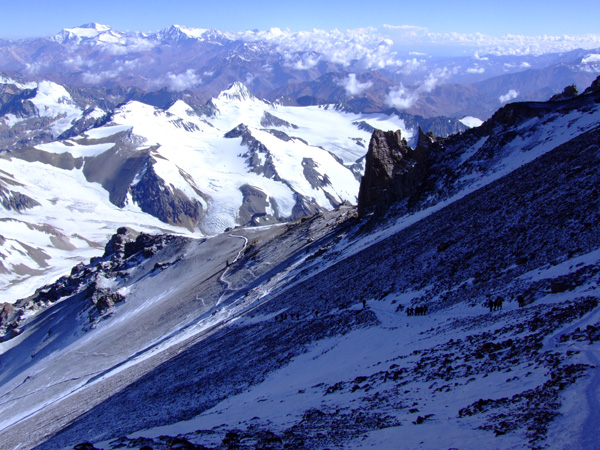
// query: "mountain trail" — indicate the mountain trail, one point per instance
point(222, 279)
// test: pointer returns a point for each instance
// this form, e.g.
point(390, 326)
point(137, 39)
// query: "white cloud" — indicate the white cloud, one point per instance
point(430, 83)
point(123, 46)
point(304, 49)
point(99, 77)
point(435, 78)
point(407, 31)
point(592, 58)
point(510, 95)
point(482, 44)
point(476, 70)
point(37, 67)
point(249, 79)
point(182, 81)
point(75, 61)
point(353, 86)
point(303, 61)
point(401, 98)
point(410, 65)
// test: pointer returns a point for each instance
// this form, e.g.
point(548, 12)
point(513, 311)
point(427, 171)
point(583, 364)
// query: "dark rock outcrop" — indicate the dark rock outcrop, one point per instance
point(254, 207)
point(13, 200)
point(127, 248)
point(316, 179)
point(260, 165)
point(393, 171)
point(568, 93)
point(269, 120)
point(17, 102)
point(165, 202)
point(117, 243)
point(595, 86)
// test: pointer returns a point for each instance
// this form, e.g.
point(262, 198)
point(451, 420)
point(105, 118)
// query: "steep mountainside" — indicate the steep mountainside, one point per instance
point(463, 315)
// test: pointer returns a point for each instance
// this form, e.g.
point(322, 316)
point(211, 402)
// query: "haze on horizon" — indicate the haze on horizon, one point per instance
point(460, 27)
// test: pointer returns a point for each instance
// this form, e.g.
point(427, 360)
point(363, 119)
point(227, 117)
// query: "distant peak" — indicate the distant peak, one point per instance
point(86, 31)
point(180, 32)
point(237, 91)
point(95, 26)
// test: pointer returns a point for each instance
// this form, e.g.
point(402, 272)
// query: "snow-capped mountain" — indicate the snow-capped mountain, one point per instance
point(32, 113)
point(236, 160)
point(462, 314)
point(94, 32)
point(368, 73)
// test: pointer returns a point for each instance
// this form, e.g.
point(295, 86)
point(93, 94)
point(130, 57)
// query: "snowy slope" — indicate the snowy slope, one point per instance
point(299, 161)
point(297, 335)
point(70, 224)
point(38, 112)
point(196, 146)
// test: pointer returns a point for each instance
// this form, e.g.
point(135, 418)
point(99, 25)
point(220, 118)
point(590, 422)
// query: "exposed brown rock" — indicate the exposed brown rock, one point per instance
point(393, 171)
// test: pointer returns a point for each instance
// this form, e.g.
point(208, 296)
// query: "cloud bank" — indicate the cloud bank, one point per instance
point(510, 44)
point(304, 49)
point(183, 81)
point(353, 86)
point(510, 95)
point(401, 98)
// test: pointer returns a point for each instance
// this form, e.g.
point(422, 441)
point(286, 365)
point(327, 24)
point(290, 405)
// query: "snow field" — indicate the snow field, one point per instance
point(73, 224)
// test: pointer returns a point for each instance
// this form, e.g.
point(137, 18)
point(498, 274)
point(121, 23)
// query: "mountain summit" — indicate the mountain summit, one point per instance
point(90, 31)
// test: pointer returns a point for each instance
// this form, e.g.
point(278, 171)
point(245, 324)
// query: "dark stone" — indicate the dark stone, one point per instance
point(254, 162)
point(179, 443)
point(85, 446)
point(13, 200)
point(568, 93)
point(316, 179)
point(116, 244)
point(595, 86)
point(393, 171)
point(269, 120)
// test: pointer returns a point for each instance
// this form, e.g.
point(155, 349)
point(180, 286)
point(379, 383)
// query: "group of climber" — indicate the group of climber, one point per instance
point(495, 304)
point(284, 316)
point(417, 311)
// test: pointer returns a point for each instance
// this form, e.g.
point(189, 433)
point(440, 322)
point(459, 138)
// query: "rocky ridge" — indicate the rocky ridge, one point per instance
point(467, 323)
point(408, 180)
point(92, 283)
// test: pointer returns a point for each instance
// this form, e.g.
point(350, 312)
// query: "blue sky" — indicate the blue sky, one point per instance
point(31, 18)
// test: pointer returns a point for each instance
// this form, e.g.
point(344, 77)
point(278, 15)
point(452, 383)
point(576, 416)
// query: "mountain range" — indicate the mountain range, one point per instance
point(456, 307)
point(72, 154)
point(271, 240)
point(137, 114)
point(363, 71)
